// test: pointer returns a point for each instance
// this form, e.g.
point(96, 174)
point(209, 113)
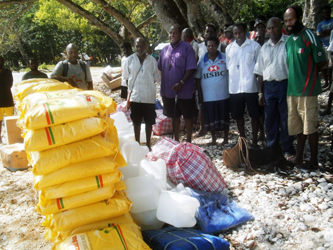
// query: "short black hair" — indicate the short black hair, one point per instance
point(260, 17)
point(298, 10)
point(212, 38)
point(176, 25)
point(210, 25)
point(327, 7)
point(126, 45)
point(188, 32)
point(241, 24)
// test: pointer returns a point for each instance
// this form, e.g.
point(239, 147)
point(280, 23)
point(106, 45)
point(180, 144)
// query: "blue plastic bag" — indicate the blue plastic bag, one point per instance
point(158, 105)
point(172, 238)
point(217, 212)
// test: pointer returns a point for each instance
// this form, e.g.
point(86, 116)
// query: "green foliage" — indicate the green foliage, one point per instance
point(52, 12)
point(43, 66)
point(267, 8)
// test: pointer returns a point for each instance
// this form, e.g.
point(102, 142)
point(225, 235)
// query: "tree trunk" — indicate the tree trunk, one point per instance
point(221, 15)
point(22, 51)
point(168, 13)
point(193, 13)
point(6, 3)
point(312, 13)
point(93, 20)
point(121, 18)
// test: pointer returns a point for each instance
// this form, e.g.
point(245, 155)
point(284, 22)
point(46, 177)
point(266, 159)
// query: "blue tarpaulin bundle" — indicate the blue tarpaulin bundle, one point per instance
point(172, 238)
point(217, 212)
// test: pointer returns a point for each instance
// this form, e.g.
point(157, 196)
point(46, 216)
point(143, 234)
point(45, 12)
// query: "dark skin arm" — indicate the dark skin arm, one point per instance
point(65, 79)
point(324, 33)
point(320, 65)
point(261, 97)
point(178, 86)
point(90, 86)
point(199, 88)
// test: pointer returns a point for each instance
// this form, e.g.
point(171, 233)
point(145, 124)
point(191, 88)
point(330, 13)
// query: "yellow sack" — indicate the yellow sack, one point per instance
point(75, 171)
point(81, 185)
point(50, 160)
point(55, 136)
point(46, 206)
point(112, 131)
point(17, 86)
point(62, 235)
point(125, 236)
point(36, 80)
point(118, 205)
point(69, 108)
point(35, 98)
point(24, 90)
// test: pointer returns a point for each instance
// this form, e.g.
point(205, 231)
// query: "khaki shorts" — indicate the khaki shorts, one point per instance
point(302, 114)
point(9, 111)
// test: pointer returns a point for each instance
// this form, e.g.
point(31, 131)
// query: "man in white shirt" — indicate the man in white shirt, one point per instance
point(187, 36)
point(141, 72)
point(272, 71)
point(126, 49)
point(242, 55)
point(210, 30)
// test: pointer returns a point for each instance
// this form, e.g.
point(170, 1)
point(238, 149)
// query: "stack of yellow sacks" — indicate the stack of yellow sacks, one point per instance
point(72, 146)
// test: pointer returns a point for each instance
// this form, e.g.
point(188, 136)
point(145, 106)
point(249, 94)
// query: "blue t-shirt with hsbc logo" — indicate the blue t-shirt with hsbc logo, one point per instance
point(214, 78)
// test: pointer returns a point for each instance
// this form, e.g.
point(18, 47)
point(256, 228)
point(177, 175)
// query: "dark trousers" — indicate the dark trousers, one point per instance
point(276, 115)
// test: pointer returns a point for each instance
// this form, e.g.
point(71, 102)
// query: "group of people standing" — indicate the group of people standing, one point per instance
point(216, 78)
point(235, 75)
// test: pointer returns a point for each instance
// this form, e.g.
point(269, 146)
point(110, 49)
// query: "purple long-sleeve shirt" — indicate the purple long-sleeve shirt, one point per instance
point(174, 62)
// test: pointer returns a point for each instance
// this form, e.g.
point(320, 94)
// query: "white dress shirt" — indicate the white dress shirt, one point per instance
point(240, 63)
point(195, 46)
point(272, 61)
point(141, 80)
point(123, 81)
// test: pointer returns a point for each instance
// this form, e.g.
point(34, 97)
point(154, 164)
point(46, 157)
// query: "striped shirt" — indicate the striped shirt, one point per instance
point(303, 53)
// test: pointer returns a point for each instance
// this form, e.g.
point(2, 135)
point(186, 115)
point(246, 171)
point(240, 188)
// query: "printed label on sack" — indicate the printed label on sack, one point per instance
point(80, 242)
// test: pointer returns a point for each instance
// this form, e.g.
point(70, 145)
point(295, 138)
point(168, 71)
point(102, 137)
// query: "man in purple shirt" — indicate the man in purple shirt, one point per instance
point(177, 64)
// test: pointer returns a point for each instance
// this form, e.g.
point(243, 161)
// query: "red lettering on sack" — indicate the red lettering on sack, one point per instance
point(88, 98)
point(75, 243)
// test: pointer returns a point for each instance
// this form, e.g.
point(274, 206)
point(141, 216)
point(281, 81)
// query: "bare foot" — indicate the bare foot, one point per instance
point(199, 134)
point(296, 161)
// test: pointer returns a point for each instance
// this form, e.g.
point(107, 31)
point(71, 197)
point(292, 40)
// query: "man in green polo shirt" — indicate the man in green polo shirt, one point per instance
point(305, 57)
